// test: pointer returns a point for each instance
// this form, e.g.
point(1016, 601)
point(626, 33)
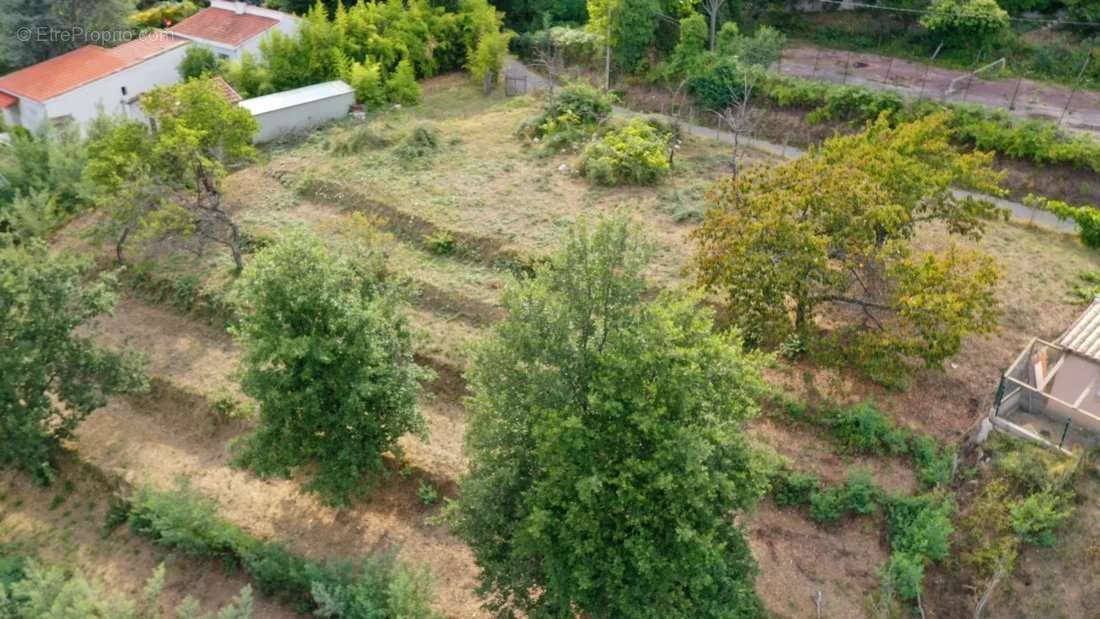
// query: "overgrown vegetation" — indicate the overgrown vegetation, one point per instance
point(569, 118)
point(379, 48)
point(184, 521)
point(31, 590)
point(1028, 493)
point(636, 153)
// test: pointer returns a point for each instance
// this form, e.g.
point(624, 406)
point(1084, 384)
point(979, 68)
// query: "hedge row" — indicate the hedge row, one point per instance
point(375, 588)
point(975, 126)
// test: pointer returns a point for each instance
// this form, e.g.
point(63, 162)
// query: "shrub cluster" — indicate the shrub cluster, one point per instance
point(1037, 141)
point(920, 532)
point(30, 590)
point(858, 495)
point(569, 118)
point(378, 587)
point(636, 153)
point(863, 429)
point(1029, 495)
point(380, 48)
point(1087, 217)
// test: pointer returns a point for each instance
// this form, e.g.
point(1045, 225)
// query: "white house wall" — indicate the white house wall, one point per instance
point(84, 103)
point(301, 118)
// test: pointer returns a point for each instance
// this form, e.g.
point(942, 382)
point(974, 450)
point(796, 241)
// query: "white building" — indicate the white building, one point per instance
point(299, 110)
point(77, 86)
point(231, 28)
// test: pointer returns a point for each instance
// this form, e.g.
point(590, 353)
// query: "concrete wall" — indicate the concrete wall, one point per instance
point(84, 104)
point(301, 118)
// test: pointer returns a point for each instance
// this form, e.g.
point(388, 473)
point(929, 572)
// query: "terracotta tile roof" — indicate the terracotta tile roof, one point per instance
point(223, 26)
point(231, 95)
point(7, 100)
point(147, 46)
point(61, 74)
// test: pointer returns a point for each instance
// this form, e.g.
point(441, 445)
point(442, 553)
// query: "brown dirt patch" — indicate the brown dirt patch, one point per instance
point(798, 558)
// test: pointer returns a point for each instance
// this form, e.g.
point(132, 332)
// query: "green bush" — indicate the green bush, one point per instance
point(905, 575)
point(1036, 517)
point(827, 504)
point(422, 141)
point(864, 429)
point(635, 154)
point(185, 521)
point(1087, 217)
point(920, 525)
point(791, 488)
point(861, 495)
point(569, 118)
point(920, 532)
point(934, 465)
point(378, 587)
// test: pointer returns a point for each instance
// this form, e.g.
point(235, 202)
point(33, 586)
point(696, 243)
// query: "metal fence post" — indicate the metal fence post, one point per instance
point(1000, 396)
point(1015, 92)
point(1080, 74)
point(889, 68)
point(847, 63)
point(927, 67)
point(1065, 431)
point(817, 58)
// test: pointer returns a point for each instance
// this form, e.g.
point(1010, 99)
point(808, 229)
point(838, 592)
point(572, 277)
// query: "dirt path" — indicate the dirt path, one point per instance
point(1021, 97)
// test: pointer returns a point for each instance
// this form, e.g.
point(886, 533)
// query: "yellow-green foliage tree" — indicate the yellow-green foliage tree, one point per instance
point(164, 178)
point(827, 240)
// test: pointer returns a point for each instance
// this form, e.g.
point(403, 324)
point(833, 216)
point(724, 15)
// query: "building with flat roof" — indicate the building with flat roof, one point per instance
point(1051, 392)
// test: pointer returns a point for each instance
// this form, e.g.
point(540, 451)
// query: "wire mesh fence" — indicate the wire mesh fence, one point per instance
point(1070, 107)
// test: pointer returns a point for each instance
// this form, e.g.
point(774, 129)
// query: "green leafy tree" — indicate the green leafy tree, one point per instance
point(165, 180)
point(607, 460)
point(198, 61)
point(830, 234)
point(966, 21)
point(51, 377)
point(328, 356)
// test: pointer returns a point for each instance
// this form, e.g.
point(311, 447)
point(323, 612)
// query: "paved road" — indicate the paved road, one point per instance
point(1019, 211)
point(1028, 98)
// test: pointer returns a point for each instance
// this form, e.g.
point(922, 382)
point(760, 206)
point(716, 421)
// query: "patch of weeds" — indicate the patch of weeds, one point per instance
point(792, 348)
point(422, 142)
point(118, 512)
point(441, 243)
point(791, 488)
point(226, 405)
point(857, 495)
point(427, 493)
point(686, 214)
point(362, 138)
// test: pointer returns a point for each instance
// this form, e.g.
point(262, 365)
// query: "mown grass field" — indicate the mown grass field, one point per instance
point(457, 224)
